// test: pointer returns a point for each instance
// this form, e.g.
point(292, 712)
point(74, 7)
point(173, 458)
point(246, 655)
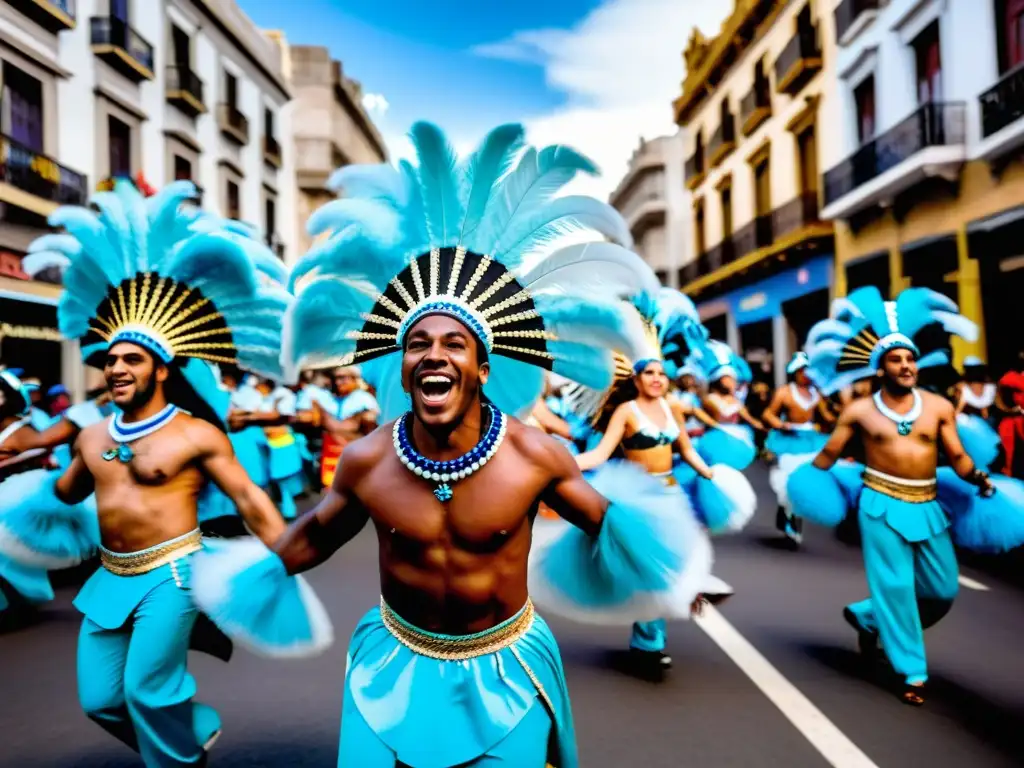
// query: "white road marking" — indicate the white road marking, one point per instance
point(966, 581)
point(821, 732)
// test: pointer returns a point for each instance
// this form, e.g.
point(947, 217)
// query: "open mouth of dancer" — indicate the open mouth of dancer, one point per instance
point(434, 389)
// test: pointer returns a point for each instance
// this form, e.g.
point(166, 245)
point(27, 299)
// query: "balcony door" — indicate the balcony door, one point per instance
point(700, 243)
point(119, 10)
point(725, 196)
point(1013, 33)
point(231, 89)
point(807, 155)
point(929, 65)
point(21, 112)
point(763, 188)
point(864, 98)
point(119, 139)
point(182, 48)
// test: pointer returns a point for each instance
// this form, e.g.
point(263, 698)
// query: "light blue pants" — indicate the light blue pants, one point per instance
point(133, 681)
point(526, 746)
point(648, 635)
point(912, 586)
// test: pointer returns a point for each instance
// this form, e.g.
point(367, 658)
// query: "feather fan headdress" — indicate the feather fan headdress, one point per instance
point(176, 281)
point(798, 362)
point(850, 344)
point(471, 240)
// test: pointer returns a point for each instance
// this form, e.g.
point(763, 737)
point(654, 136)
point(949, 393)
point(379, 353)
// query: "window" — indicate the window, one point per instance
point(864, 98)
point(929, 65)
point(119, 140)
point(760, 79)
point(182, 169)
point(763, 188)
point(807, 147)
point(698, 228)
point(268, 123)
point(271, 218)
point(231, 89)
point(181, 45)
point(1012, 34)
point(22, 108)
point(725, 195)
point(234, 206)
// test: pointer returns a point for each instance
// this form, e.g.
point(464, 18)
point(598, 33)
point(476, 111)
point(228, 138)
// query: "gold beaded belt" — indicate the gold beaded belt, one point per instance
point(913, 491)
point(457, 647)
point(137, 563)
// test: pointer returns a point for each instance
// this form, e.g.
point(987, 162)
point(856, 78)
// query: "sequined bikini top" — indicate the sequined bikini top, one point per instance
point(649, 435)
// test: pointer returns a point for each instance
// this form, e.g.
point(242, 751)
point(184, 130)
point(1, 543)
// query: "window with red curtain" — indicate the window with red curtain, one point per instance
point(929, 65)
point(1013, 31)
point(864, 97)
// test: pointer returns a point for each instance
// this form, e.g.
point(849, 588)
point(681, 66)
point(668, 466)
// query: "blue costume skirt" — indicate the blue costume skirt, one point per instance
point(803, 438)
point(425, 700)
point(250, 445)
point(729, 444)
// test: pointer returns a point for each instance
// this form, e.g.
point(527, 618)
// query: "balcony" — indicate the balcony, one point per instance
point(695, 170)
point(35, 182)
point(1002, 107)
point(928, 143)
point(853, 17)
point(233, 123)
point(122, 48)
point(798, 62)
point(272, 151)
point(756, 107)
point(723, 141)
point(793, 226)
point(185, 90)
point(52, 15)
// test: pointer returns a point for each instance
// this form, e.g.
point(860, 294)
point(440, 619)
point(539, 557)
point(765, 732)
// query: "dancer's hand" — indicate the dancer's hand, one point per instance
point(697, 606)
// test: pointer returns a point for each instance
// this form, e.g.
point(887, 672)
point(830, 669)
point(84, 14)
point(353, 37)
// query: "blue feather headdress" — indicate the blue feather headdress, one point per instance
point(849, 346)
point(165, 276)
point(470, 240)
point(710, 359)
point(798, 362)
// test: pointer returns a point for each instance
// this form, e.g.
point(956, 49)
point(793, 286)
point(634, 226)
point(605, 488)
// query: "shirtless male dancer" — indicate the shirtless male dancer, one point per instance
point(149, 462)
point(908, 553)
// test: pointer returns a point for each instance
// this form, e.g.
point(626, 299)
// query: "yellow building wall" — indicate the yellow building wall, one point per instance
point(980, 195)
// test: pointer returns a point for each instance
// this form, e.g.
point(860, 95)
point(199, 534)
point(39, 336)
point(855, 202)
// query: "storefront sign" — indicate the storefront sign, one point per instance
point(36, 333)
point(763, 300)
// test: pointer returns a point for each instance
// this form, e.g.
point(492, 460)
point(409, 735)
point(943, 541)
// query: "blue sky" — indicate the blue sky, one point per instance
point(597, 74)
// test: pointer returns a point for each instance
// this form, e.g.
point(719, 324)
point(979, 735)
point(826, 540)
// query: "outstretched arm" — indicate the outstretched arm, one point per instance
point(61, 433)
point(549, 422)
point(339, 516)
point(962, 464)
point(755, 423)
point(689, 455)
point(842, 434)
point(612, 437)
point(825, 413)
point(219, 464)
point(771, 415)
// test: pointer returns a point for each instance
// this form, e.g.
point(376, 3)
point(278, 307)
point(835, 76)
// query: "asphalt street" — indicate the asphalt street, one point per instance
point(771, 679)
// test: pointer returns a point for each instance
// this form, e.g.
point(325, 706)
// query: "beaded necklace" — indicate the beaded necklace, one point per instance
point(445, 472)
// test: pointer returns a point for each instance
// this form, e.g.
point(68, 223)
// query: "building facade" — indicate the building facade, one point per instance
point(752, 108)
point(95, 90)
point(332, 129)
point(923, 180)
point(654, 201)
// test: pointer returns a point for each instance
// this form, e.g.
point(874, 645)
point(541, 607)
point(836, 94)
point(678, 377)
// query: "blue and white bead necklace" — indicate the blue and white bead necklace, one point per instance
point(904, 421)
point(123, 434)
point(445, 472)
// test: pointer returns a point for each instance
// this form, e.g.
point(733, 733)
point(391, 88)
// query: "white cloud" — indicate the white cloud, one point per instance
point(620, 68)
point(376, 104)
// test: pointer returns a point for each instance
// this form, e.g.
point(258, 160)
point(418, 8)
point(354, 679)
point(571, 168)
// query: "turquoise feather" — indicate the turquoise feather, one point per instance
point(374, 218)
point(531, 227)
point(590, 366)
point(370, 182)
point(572, 318)
point(483, 170)
point(97, 253)
point(134, 211)
point(444, 212)
point(592, 269)
point(514, 386)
